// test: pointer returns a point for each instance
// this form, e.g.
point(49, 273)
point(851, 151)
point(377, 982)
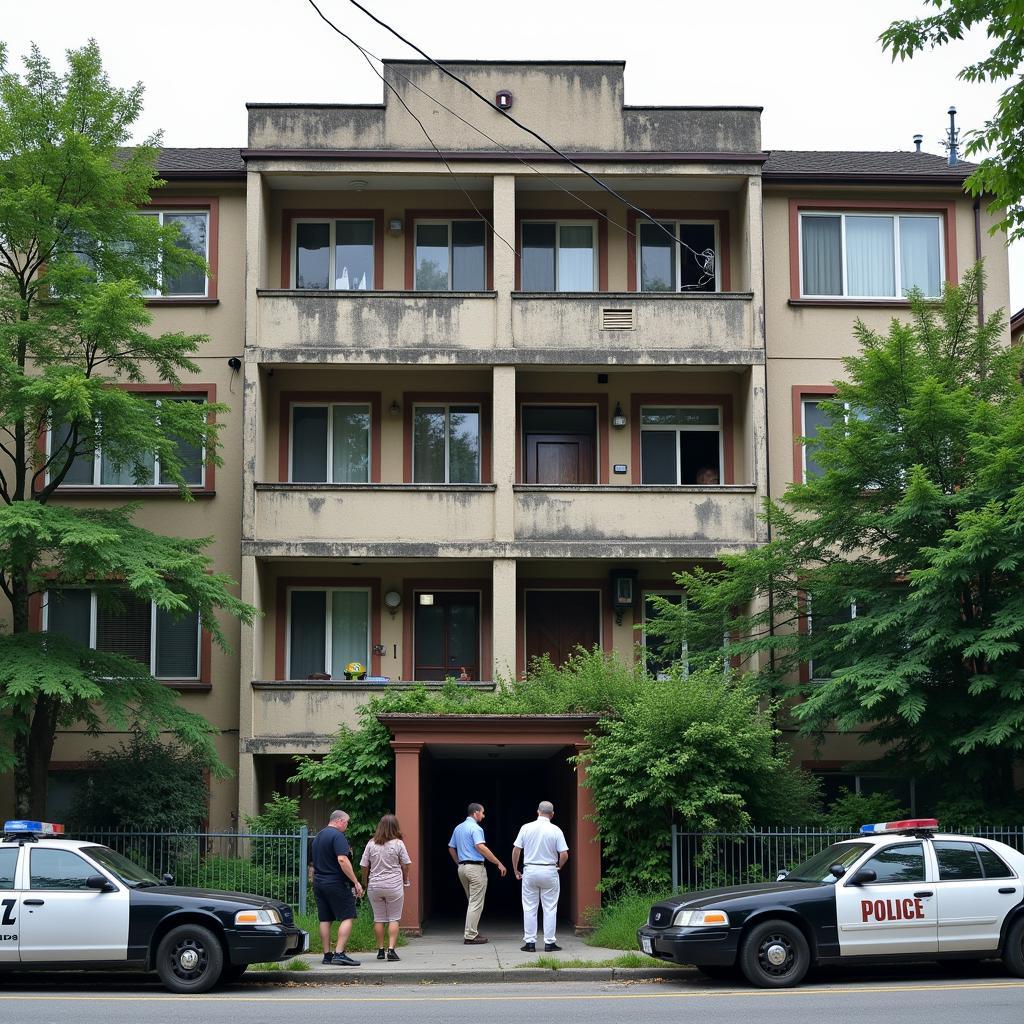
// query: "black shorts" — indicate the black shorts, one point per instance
point(335, 901)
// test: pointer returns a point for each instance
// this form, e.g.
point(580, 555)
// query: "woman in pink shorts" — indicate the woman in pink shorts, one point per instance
point(385, 863)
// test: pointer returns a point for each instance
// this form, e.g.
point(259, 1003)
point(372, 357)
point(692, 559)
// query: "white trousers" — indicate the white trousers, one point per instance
point(540, 887)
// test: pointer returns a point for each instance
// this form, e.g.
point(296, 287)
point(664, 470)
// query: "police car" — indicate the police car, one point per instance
point(899, 892)
point(77, 905)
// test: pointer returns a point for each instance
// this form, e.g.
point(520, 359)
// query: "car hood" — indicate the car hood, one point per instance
point(729, 893)
point(179, 892)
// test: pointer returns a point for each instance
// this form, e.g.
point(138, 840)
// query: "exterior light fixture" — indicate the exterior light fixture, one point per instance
point(426, 599)
point(392, 601)
point(394, 408)
point(619, 420)
point(395, 225)
point(622, 591)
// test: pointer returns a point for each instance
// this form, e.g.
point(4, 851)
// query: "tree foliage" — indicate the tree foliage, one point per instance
point(916, 527)
point(76, 262)
point(1001, 140)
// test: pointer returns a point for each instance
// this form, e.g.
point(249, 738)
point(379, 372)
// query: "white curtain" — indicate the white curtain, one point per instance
point(919, 254)
point(870, 257)
point(576, 258)
point(350, 630)
point(822, 256)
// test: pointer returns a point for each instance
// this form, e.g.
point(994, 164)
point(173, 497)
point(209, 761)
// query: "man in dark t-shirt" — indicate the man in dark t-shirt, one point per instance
point(335, 886)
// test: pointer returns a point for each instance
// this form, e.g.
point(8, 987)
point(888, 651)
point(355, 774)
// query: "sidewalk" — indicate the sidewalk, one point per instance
point(439, 957)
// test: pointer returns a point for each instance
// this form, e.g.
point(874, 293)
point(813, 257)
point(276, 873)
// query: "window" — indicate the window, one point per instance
point(97, 470)
point(334, 254)
point(992, 864)
point(659, 652)
point(814, 417)
point(833, 785)
point(957, 861)
point(168, 645)
point(446, 444)
point(688, 264)
point(870, 255)
point(327, 629)
point(559, 256)
point(330, 443)
point(193, 227)
point(450, 256)
point(681, 445)
point(58, 869)
point(903, 862)
point(826, 664)
point(8, 865)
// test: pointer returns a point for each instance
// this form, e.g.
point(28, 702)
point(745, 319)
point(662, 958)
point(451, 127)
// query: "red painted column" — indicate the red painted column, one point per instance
point(587, 855)
point(407, 809)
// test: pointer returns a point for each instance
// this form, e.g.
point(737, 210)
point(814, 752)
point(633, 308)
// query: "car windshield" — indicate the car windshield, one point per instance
point(818, 868)
point(131, 874)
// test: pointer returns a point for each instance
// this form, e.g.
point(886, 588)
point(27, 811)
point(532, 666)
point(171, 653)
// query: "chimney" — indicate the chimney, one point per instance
point(953, 136)
point(918, 139)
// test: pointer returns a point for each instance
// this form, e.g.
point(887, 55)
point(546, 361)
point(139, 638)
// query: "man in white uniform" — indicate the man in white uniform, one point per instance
point(544, 851)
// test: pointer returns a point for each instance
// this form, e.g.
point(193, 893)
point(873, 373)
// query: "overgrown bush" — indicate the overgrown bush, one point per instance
point(239, 874)
point(279, 817)
point(851, 810)
point(615, 924)
point(143, 785)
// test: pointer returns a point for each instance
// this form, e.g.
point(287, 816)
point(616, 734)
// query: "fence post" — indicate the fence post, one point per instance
point(303, 868)
point(675, 858)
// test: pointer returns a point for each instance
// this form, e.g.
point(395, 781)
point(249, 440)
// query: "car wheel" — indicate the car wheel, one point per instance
point(189, 959)
point(719, 972)
point(1013, 949)
point(232, 972)
point(774, 954)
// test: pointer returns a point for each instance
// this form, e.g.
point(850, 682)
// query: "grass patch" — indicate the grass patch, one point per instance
point(296, 964)
point(362, 939)
point(626, 960)
point(616, 924)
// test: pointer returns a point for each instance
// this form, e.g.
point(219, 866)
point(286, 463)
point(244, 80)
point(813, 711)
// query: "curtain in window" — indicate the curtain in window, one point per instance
point(822, 256)
point(870, 257)
point(351, 444)
point(350, 630)
point(814, 419)
point(538, 249)
point(919, 254)
point(658, 450)
point(312, 255)
point(308, 634)
point(126, 629)
point(468, 262)
point(177, 645)
point(576, 258)
point(124, 476)
point(309, 444)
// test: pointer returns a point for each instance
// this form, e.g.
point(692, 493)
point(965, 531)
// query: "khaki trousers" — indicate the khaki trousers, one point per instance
point(474, 881)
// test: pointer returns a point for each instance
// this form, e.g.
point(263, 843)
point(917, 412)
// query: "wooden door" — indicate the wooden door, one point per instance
point(559, 621)
point(560, 459)
point(447, 637)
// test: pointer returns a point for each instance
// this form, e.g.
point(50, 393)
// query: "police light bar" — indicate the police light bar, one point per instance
point(39, 828)
point(899, 826)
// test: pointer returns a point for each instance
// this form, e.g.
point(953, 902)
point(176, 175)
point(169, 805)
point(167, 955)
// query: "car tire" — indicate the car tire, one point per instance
point(774, 954)
point(1013, 948)
point(189, 959)
point(719, 972)
point(232, 973)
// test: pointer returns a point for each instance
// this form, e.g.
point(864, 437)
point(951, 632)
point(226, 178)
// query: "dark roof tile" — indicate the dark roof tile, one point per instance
point(793, 164)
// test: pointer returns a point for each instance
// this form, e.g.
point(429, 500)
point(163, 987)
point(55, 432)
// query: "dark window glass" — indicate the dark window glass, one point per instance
point(957, 861)
point(468, 262)
point(658, 456)
point(68, 612)
point(58, 869)
point(697, 258)
point(308, 640)
point(429, 426)
point(192, 237)
point(538, 258)
point(901, 863)
point(815, 418)
point(432, 270)
point(309, 444)
point(660, 654)
point(312, 255)
point(125, 628)
point(191, 455)
point(464, 444)
point(828, 658)
point(8, 865)
point(992, 863)
point(353, 255)
point(657, 258)
point(81, 471)
point(699, 461)
point(177, 645)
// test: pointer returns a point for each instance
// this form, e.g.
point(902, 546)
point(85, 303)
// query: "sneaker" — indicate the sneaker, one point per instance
point(380, 954)
point(529, 947)
point(478, 941)
point(327, 958)
point(393, 956)
point(551, 947)
point(343, 960)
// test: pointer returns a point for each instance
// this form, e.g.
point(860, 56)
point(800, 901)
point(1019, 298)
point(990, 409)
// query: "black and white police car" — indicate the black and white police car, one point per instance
point(899, 892)
point(66, 904)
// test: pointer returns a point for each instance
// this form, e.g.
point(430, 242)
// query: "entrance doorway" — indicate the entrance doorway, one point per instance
point(446, 636)
point(559, 621)
point(560, 444)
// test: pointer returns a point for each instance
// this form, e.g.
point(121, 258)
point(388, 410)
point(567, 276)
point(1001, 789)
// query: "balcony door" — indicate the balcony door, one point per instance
point(559, 621)
point(560, 444)
point(446, 637)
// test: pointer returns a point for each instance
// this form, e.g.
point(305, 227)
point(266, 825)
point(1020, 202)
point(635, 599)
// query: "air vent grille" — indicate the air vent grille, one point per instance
point(616, 319)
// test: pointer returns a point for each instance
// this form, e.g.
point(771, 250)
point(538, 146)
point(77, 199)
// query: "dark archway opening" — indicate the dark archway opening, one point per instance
point(509, 781)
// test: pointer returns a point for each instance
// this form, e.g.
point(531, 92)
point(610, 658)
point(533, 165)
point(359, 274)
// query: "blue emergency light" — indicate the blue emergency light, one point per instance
point(23, 827)
point(899, 826)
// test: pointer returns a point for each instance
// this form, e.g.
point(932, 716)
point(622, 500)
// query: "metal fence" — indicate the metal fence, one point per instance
point(272, 865)
point(706, 860)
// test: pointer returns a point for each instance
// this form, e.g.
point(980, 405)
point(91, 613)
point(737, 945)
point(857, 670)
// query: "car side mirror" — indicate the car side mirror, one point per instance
point(167, 878)
point(838, 870)
point(781, 875)
point(100, 883)
point(864, 877)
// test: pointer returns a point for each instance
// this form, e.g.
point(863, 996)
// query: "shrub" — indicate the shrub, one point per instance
point(239, 874)
point(279, 817)
point(851, 810)
point(615, 924)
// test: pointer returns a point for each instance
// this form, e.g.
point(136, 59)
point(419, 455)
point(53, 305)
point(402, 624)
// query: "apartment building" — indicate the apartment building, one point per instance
point(486, 413)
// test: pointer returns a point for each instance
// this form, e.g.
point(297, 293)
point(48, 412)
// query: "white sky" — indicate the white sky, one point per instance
point(814, 65)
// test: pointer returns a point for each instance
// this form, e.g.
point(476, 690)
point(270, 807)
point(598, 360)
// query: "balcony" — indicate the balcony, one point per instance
point(358, 320)
point(696, 323)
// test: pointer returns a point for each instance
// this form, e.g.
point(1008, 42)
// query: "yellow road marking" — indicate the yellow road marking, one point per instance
point(472, 998)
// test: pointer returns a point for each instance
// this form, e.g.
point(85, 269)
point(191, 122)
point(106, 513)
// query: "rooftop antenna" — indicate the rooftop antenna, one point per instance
point(952, 137)
point(918, 139)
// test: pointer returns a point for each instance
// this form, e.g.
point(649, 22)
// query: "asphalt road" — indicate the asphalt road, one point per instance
point(984, 995)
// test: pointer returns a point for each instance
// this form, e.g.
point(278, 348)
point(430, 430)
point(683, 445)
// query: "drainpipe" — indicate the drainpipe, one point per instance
point(977, 258)
point(767, 438)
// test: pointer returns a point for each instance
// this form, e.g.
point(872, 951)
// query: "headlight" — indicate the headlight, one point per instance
point(267, 915)
point(701, 919)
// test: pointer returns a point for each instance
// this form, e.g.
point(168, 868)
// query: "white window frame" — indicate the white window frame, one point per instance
point(680, 428)
point(328, 632)
point(97, 457)
point(559, 224)
point(893, 215)
point(684, 654)
point(674, 224)
point(93, 617)
point(330, 406)
point(160, 213)
point(447, 406)
point(447, 222)
point(332, 250)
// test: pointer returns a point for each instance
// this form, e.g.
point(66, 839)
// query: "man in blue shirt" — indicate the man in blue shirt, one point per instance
point(469, 851)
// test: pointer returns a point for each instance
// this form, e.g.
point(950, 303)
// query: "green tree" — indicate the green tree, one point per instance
point(893, 578)
point(1001, 172)
point(75, 263)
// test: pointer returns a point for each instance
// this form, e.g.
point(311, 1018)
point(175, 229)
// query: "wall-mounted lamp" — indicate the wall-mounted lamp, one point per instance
point(395, 226)
point(426, 599)
point(622, 591)
point(619, 420)
point(394, 408)
point(392, 601)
